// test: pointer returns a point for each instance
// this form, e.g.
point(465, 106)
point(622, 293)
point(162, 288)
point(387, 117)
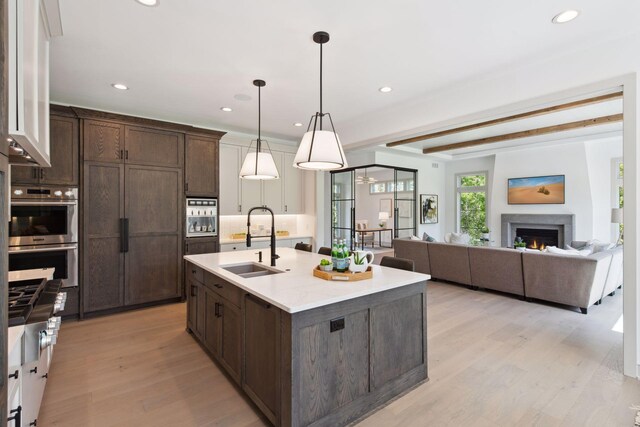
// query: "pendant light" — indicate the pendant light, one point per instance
point(320, 149)
point(259, 164)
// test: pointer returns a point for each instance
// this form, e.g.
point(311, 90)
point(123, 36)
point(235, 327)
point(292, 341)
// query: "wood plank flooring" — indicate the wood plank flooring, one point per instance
point(493, 361)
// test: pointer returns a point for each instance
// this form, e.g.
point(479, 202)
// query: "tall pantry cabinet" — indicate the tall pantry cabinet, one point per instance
point(133, 210)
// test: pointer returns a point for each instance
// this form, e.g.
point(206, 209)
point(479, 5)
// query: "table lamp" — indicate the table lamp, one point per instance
point(617, 218)
point(383, 217)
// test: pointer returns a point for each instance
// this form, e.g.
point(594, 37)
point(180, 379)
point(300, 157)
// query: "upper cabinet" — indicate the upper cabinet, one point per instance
point(112, 142)
point(201, 166)
point(31, 25)
point(64, 157)
point(237, 196)
point(103, 141)
point(230, 201)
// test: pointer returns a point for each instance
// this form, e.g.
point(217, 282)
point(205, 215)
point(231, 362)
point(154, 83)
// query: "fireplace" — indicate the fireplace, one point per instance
point(562, 224)
point(538, 238)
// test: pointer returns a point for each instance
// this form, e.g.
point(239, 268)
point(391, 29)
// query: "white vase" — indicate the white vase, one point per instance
point(366, 256)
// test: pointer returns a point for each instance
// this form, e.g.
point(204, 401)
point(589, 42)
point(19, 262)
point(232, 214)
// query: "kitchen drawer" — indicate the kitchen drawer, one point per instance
point(223, 288)
point(195, 273)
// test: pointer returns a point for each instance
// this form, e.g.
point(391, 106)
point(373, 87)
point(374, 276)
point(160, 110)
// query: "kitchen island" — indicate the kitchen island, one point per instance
point(305, 350)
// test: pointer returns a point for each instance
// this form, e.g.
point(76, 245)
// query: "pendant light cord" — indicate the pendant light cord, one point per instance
point(320, 86)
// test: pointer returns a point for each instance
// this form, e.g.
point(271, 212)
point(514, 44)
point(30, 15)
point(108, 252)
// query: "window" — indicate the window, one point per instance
point(472, 203)
point(620, 170)
point(390, 186)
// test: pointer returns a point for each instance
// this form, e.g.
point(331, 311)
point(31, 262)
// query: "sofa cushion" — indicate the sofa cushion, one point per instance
point(573, 280)
point(499, 269)
point(450, 262)
point(416, 250)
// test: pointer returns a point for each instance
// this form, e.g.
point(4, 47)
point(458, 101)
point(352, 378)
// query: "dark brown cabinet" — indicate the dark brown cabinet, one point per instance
point(201, 245)
point(261, 355)
point(145, 146)
point(102, 243)
point(216, 320)
point(201, 166)
point(64, 146)
point(153, 207)
point(103, 141)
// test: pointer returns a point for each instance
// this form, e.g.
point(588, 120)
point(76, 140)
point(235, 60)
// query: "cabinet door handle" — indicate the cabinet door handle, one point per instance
point(15, 375)
point(186, 186)
point(34, 370)
point(124, 235)
point(239, 208)
point(258, 301)
point(46, 375)
point(186, 249)
point(17, 415)
point(215, 309)
point(285, 208)
point(126, 154)
point(220, 310)
point(121, 154)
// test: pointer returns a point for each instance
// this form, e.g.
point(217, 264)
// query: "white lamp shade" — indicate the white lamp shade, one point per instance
point(616, 215)
point(383, 215)
point(325, 154)
point(266, 168)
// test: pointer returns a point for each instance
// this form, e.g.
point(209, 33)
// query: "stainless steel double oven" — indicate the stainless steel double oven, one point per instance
point(43, 231)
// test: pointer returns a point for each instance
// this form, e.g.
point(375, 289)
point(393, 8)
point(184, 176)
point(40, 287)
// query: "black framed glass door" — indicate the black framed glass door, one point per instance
point(404, 197)
point(343, 205)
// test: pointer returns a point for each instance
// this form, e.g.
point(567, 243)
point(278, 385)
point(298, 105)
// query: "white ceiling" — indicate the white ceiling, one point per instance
point(185, 59)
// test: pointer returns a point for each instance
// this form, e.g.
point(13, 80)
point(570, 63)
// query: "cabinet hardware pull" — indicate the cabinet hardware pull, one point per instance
point(15, 374)
point(121, 154)
point(239, 208)
point(34, 370)
point(186, 247)
point(124, 235)
point(285, 208)
point(215, 309)
point(34, 423)
point(46, 375)
point(17, 417)
point(193, 271)
point(41, 173)
point(218, 286)
point(186, 186)
point(258, 301)
point(220, 310)
point(126, 154)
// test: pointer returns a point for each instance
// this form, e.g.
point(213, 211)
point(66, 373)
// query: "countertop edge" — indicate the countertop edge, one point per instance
point(304, 307)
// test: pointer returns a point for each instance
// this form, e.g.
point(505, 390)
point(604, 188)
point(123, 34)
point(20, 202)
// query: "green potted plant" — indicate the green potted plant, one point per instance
point(519, 244)
point(485, 233)
point(325, 265)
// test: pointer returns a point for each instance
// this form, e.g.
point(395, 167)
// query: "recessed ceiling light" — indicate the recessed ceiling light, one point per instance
point(120, 86)
point(226, 109)
point(385, 89)
point(566, 16)
point(297, 124)
point(148, 2)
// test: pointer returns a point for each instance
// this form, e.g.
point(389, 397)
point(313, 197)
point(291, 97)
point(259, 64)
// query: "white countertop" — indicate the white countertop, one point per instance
point(297, 289)
point(228, 240)
point(38, 273)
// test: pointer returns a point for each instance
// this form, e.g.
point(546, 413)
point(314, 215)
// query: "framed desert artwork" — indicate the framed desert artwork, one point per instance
point(536, 190)
point(428, 209)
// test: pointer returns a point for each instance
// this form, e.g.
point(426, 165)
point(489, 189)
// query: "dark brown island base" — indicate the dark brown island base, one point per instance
point(304, 350)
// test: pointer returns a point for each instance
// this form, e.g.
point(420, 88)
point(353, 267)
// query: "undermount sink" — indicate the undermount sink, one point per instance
point(249, 270)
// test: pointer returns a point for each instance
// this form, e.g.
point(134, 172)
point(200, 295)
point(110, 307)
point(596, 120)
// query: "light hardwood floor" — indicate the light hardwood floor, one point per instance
point(493, 361)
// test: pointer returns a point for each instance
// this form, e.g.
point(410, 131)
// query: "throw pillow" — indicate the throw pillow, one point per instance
point(584, 250)
point(599, 246)
point(427, 238)
point(572, 252)
point(415, 238)
point(460, 238)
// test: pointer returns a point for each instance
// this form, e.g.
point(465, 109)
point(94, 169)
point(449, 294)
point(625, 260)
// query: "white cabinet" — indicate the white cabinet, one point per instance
point(293, 186)
point(31, 24)
point(229, 202)
point(272, 189)
point(237, 196)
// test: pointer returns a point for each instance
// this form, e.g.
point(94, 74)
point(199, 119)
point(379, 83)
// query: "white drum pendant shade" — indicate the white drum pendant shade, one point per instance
point(261, 166)
point(320, 150)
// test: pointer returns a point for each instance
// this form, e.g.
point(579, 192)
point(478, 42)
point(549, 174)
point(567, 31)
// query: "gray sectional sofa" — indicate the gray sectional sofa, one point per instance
point(572, 280)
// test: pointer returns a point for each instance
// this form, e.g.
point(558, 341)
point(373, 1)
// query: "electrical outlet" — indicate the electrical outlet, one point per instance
point(336, 324)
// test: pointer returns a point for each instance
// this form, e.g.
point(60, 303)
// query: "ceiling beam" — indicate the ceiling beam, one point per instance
point(528, 114)
point(527, 133)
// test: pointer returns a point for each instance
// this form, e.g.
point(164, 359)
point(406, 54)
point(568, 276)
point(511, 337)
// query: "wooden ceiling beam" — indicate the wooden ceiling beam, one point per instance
point(528, 114)
point(527, 133)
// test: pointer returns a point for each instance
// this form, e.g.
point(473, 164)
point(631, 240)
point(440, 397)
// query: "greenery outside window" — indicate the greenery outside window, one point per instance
point(471, 203)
